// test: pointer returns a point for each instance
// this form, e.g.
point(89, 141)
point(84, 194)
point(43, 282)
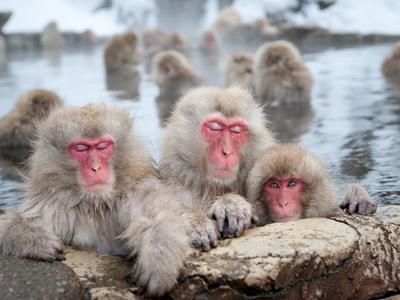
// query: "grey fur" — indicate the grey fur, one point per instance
point(121, 221)
point(184, 159)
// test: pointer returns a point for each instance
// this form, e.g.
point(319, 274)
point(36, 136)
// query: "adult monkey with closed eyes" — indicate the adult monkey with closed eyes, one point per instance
point(211, 141)
point(87, 188)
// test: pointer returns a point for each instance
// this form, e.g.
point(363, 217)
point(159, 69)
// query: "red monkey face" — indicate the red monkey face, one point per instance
point(225, 138)
point(283, 198)
point(93, 157)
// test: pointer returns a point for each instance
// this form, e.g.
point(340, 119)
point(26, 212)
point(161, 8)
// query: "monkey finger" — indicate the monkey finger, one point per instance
point(363, 208)
point(219, 216)
point(232, 221)
point(371, 208)
point(352, 207)
point(239, 228)
point(205, 241)
point(213, 237)
point(345, 204)
point(59, 256)
point(254, 220)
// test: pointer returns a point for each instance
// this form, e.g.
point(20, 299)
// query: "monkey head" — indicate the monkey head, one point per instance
point(86, 148)
point(213, 135)
point(278, 55)
point(168, 65)
point(287, 183)
point(37, 104)
point(243, 62)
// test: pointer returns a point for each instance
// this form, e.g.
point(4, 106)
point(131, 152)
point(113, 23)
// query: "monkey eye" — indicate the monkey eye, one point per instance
point(81, 148)
point(215, 126)
point(236, 129)
point(103, 145)
point(292, 183)
point(273, 185)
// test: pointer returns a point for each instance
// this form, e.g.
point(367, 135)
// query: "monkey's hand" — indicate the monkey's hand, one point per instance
point(203, 232)
point(232, 213)
point(358, 201)
point(23, 238)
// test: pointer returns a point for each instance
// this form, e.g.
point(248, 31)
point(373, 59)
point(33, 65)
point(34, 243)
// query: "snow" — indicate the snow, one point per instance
point(364, 16)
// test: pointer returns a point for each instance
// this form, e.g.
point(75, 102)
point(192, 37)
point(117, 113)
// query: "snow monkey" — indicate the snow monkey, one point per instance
point(86, 188)
point(239, 70)
point(289, 183)
point(121, 58)
point(280, 76)
point(120, 52)
point(211, 141)
point(174, 75)
point(18, 127)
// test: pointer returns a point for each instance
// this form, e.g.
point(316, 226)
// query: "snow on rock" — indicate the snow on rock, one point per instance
point(363, 16)
point(33, 16)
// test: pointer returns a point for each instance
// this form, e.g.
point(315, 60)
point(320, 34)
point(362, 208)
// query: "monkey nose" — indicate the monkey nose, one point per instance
point(226, 152)
point(95, 168)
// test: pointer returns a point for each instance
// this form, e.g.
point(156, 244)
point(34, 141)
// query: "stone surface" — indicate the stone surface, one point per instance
point(28, 279)
point(350, 257)
point(389, 214)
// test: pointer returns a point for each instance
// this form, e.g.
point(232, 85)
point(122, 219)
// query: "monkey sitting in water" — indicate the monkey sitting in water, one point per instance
point(280, 75)
point(239, 70)
point(18, 127)
point(288, 183)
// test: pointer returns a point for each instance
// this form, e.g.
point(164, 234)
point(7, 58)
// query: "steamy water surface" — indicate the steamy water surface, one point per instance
point(354, 123)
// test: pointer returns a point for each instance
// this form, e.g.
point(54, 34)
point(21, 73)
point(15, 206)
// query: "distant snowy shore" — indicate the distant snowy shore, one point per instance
point(363, 16)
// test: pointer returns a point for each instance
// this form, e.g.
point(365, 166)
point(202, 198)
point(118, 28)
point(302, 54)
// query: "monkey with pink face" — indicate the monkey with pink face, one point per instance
point(288, 183)
point(87, 188)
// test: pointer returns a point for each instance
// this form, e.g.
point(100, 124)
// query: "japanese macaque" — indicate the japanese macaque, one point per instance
point(288, 183)
point(391, 65)
point(240, 70)
point(228, 19)
point(174, 75)
point(156, 40)
point(280, 76)
point(210, 143)
point(18, 127)
point(51, 38)
point(87, 188)
point(121, 58)
point(121, 51)
point(209, 43)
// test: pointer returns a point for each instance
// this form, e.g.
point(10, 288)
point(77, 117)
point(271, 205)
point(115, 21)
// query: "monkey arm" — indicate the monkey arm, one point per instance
point(29, 238)
point(156, 235)
point(233, 214)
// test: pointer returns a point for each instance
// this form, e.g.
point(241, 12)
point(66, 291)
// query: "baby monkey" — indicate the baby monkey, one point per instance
point(289, 183)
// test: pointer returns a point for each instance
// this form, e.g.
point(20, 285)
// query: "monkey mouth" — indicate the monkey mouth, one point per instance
point(223, 172)
point(98, 187)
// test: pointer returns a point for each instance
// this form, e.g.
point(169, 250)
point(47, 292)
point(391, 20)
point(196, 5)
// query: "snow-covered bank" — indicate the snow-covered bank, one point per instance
point(363, 16)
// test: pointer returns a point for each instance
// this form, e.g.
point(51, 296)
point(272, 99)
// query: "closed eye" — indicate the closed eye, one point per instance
point(236, 129)
point(103, 145)
point(81, 148)
point(215, 126)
